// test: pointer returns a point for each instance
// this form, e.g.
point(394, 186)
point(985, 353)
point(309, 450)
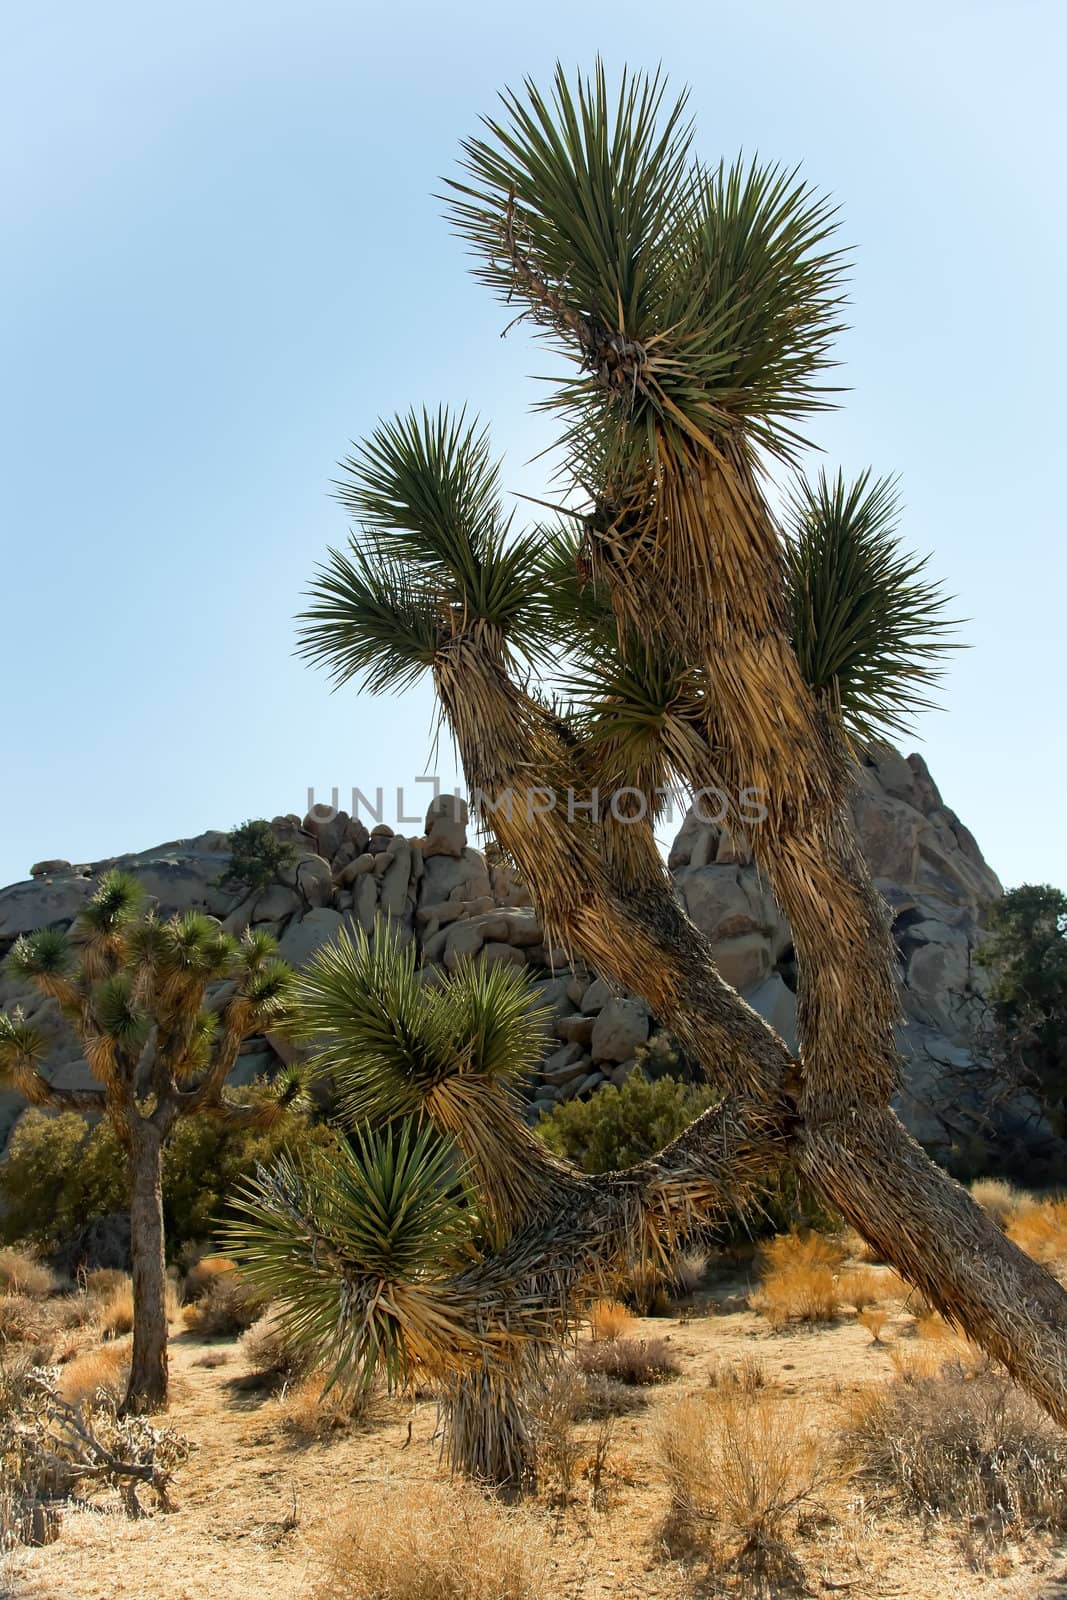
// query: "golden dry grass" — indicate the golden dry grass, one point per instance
point(799, 1279)
point(873, 1318)
point(863, 1286)
point(21, 1273)
point(311, 1412)
point(738, 1465)
point(104, 1369)
point(116, 1310)
point(102, 1281)
point(609, 1319)
point(432, 1542)
point(1040, 1228)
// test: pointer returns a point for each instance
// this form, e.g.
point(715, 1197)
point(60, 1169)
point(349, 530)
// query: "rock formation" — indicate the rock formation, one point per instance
point(456, 902)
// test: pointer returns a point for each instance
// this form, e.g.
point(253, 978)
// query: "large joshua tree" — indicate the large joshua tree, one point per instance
point(133, 990)
point(702, 642)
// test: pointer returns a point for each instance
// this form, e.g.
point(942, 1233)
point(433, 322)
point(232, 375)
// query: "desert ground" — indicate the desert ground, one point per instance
point(263, 1510)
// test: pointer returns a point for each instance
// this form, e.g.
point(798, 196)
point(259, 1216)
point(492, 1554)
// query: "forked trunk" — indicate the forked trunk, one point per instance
point(147, 1388)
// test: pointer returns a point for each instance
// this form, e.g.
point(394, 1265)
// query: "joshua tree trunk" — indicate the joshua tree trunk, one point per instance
point(147, 1388)
point(488, 1431)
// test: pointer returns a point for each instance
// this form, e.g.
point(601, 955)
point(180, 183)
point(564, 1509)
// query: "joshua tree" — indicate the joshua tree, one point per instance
point(439, 1168)
point(134, 992)
point(703, 642)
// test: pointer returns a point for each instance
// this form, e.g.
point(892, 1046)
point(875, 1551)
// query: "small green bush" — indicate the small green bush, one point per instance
point(257, 856)
point(616, 1127)
point(60, 1172)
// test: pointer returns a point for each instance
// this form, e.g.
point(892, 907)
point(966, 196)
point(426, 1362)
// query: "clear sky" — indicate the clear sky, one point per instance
point(223, 261)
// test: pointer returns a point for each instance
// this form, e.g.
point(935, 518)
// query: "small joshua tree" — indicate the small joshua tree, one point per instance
point(439, 1168)
point(134, 992)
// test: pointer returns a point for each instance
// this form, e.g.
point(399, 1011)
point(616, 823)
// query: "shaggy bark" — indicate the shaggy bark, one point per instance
point(147, 1387)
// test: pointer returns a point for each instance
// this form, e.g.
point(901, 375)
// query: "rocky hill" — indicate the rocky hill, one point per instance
point(454, 901)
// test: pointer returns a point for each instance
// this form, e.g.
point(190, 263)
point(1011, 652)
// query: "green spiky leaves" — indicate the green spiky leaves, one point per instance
point(694, 301)
point(351, 1244)
point(435, 558)
point(868, 629)
point(388, 1039)
point(22, 1047)
point(40, 958)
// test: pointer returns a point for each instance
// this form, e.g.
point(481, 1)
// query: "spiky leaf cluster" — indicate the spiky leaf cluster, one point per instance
point(869, 630)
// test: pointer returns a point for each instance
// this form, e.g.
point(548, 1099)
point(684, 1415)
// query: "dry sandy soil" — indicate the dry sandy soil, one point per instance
point(252, 1508)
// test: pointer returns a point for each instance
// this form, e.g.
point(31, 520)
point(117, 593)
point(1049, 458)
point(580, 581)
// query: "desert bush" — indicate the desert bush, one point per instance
point(873, 1318)
point(629, 1361)
point(601, 1397)
point(271, 1350)
point(616, 1127)
point(203, 1273)
point(608, 1319)
point(738, 1465)
point(1041, 1230)
point(257, 856)
point(560, 1457)
point(798, 1279)
point(687, 1271)
point(58, 1172)
point(310, 1411)
point(227, 1308)
point(432, 1542)
point(862, 1287)
point(745, 1376)
point(102, 1282)
point(23, 1321)
point(22, 1273)
point(98, 1373)
point(961, 1441)
point(49, 1447)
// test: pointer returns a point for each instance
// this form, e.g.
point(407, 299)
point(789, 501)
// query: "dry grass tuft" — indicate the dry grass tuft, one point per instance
point(103, 1281)
point(873, 1318)
point(226, 1308)
point(23, 1321)
point(103, 1370)
point(963, 1443)
point(744, 1376)
point(739, 1466)
point(273, 1353)
point(687, 1271)
point(799, 1279)
point(433, 1542)
point(116, 1311)
point(630, 1361)
point(1040, 1228)
point(609, 1319)
point(862, 1287)
point(21, 1273)
point(310, 1412)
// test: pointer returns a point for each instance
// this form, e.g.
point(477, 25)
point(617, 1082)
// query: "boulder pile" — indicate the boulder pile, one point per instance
point(455, 902)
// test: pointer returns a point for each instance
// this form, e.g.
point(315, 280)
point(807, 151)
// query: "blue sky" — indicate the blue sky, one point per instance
point(224, 261)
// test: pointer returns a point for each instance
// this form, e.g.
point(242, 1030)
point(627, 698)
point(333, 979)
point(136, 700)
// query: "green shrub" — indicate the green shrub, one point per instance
point(616, 1127)
point(257, 856)
point(60, 1172)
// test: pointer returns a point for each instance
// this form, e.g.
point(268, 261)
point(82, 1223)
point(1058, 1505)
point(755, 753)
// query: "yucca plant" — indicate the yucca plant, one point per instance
point(133, 990)
point(690, 638)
